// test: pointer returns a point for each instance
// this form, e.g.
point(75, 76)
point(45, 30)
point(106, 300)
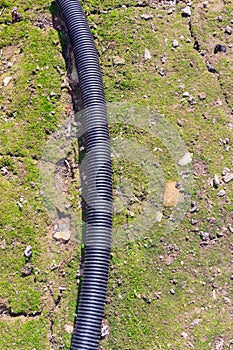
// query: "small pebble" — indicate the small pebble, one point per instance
point(228, 30)
point(194, 207)
point(16, 16)
point(147, 16)
point(186, 12)
point(184, 335)
point(216, 181)
point(4, 171)
point(26, 271)
point(69, 328)
point(147, 54)
point(175, 43)
point(7, 80)
point(220, 18)
point(161, 72)
point(220, 234)
point(28, 252)
point(220, 48)
point(202, 96)
point(105, 328)
point(228, 177)
point(225, 171)
point(179, 123)
point(172, 291)
point(186, 94)
point(210, 68)
point(221, 193)
point(205, 4)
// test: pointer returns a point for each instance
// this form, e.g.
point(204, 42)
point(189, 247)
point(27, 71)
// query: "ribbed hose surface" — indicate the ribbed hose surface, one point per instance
point(99, 180)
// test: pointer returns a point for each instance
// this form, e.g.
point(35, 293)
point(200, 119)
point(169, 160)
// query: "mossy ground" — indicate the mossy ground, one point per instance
point(142, 312)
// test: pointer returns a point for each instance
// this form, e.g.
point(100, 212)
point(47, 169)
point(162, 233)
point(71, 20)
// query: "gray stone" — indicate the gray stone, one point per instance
point(6, 80)
point(228, 177)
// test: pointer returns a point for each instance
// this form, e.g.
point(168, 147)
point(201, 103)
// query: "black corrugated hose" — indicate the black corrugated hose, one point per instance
point(92, 296)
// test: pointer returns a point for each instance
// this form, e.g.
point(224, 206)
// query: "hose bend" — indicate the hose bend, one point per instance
point(99, 180)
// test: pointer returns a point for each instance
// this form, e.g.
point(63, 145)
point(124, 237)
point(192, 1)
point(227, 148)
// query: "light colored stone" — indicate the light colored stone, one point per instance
point(105, 328)
point(62, 236)
point(184, 335)
point(216, 181)
point(6, 81)
point(228, 30)
point(147, 54)
point(186, 11)
point(118, 61)
point(221, 193)
point(228, 177)
point(225, 171)
point(69, 328)
point(147, 16)
point(175, 43)
point(202, 96)
point(187, 158)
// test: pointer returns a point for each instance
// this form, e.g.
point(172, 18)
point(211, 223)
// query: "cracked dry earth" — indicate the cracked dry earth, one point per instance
point(166, 290)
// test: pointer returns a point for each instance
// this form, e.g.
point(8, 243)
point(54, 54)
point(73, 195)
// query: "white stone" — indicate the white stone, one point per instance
point(186, 11)
point(147, 54)
point(175, 43)
point(6, 80)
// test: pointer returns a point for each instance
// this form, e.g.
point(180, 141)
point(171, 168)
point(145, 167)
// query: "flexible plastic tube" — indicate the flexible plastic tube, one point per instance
point(99, 180)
